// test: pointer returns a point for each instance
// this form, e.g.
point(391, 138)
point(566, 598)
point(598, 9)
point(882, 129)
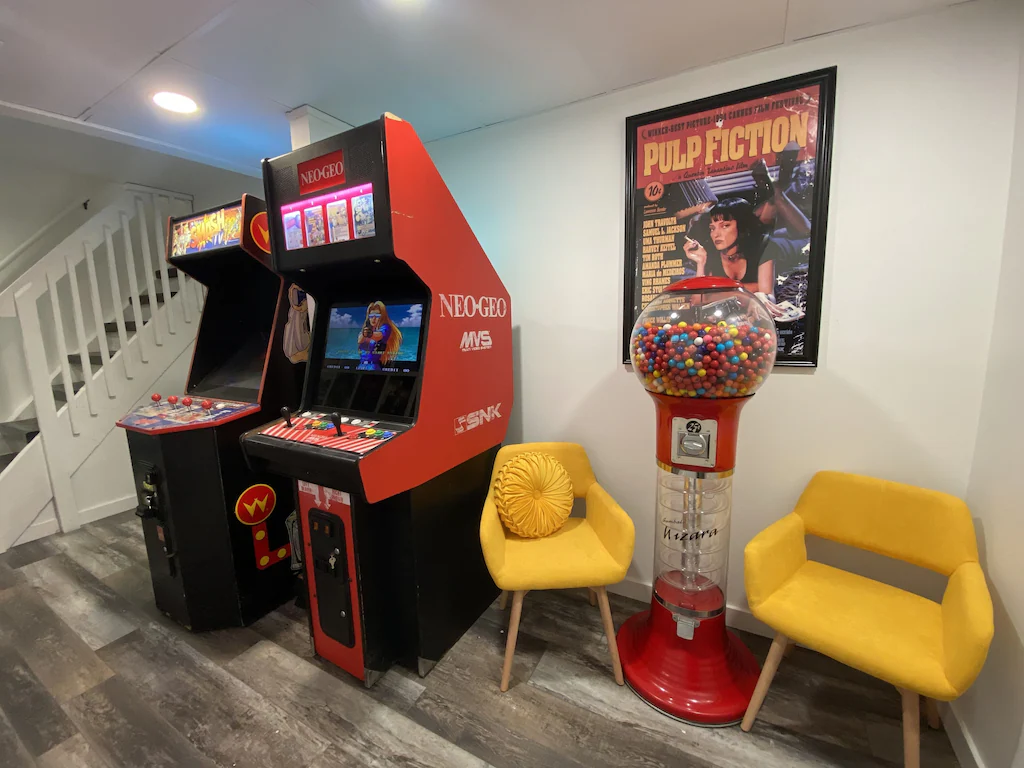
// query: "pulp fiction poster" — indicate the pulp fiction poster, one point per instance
point(735, 186)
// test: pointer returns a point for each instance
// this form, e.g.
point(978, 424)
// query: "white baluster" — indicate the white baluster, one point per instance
point(27, 309)
point(142, 343)
point(62, 351)
point(150, 282)
point(165, 280)
point(83, 347)
point(97, 315)
point(115, 292)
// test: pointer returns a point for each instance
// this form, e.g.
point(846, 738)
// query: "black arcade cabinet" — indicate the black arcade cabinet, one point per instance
point(219, 551)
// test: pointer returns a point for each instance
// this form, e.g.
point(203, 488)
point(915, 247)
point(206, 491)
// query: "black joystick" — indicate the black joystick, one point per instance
point(336, 421)
point(287, 416)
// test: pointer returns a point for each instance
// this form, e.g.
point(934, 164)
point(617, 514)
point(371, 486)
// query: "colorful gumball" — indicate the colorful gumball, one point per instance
point(728, 356)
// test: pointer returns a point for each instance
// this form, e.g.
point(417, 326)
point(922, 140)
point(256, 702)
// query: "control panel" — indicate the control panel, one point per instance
point(694, 441)
point(177, 415)
point(332, 430)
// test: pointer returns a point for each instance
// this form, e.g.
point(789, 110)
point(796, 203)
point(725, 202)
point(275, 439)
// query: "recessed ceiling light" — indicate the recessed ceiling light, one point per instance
point(174, 102)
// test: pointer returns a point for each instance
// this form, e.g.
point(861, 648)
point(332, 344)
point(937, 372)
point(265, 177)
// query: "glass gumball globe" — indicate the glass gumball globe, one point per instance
point(705, 337)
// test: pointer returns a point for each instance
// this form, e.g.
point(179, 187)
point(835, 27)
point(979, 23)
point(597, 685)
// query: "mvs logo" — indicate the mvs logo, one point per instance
point(321, 172)
point(474, 341)
point(474, 419)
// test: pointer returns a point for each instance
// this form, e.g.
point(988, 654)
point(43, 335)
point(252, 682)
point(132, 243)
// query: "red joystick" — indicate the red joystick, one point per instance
point(156, 397)
point(187, 402)
point(207, 404)
point(173, 399)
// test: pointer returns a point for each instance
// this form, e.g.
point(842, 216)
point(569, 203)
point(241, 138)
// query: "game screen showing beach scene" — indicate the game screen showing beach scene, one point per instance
point(378, 336)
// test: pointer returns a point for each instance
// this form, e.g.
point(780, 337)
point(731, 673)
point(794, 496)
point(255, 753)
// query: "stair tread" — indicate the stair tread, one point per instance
point(21, 425)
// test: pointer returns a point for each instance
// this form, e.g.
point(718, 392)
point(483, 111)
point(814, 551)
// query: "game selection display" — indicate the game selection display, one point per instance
point(333, 217)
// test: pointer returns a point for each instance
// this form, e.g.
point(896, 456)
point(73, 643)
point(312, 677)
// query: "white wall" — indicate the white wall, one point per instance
point(30, 197)
point(545, 197)
point(993, 710)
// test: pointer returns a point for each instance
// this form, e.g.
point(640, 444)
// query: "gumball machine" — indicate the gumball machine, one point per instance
point(701, 349)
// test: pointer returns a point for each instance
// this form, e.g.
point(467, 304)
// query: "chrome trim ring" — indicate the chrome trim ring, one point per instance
point(690, 613)
point(693, 472)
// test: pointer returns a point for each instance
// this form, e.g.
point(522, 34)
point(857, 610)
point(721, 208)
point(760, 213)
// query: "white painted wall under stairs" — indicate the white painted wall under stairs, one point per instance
point(86, 333)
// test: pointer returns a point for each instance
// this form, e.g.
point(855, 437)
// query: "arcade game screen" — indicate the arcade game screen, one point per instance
point(239, 377)
point(372, 338)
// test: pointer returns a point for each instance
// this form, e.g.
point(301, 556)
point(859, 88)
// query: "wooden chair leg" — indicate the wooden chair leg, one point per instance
point(931, 709)
point(503, 600)
point(609, 631)
point(593, 595)
point(513, 632)
point(764, 682)
point(911, 729)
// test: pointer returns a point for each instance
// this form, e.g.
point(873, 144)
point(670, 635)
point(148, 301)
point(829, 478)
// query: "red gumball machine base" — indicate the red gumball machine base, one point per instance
point(707, 680)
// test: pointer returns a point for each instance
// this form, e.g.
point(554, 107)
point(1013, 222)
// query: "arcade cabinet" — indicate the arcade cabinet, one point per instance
point(219, 551)
point(406, 398)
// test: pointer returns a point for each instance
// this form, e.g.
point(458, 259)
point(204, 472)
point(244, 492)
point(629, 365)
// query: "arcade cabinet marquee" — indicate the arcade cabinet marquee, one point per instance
point(405, 401)
point(219, 553)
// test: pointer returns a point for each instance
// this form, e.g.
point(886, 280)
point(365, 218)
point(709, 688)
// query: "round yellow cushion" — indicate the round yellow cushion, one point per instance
point(533, 494)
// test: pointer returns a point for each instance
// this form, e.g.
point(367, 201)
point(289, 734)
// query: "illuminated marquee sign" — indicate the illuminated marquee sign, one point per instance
point(217, 229)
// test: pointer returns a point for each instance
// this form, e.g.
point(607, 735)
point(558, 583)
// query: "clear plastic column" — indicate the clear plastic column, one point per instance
point(692, 544)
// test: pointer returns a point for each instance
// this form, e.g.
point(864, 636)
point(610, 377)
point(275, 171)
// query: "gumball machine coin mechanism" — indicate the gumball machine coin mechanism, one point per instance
point(701, 349)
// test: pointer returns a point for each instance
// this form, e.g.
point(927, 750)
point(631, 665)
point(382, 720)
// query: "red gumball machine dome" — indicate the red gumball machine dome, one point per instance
point(705, 337)
point(701, 349)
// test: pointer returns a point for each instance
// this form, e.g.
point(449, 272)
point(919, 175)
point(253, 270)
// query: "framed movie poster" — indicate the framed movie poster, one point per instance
point(735, 186)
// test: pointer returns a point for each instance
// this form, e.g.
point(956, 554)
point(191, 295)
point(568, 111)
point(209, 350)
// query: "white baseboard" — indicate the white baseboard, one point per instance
point(963, 745)
point(632, 588)
point(740, 618)
point(107, 508)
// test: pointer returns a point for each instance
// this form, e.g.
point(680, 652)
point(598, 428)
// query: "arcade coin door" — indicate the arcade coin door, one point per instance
point(219, 552)
point(405, 402)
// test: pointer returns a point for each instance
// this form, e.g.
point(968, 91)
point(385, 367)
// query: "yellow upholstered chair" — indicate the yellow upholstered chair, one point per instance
point(922, 647)
point(586, 552)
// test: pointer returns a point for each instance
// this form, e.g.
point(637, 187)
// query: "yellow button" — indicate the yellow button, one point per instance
point(261, 535)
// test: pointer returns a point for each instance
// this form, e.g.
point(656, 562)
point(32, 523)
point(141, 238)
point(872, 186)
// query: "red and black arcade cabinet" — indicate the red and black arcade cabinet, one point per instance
point(219, 552)
point(406, 398)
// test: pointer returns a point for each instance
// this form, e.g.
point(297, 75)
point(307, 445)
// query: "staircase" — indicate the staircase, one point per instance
point(86, 333)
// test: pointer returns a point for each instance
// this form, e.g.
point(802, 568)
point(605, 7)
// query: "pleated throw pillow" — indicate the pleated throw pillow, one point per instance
point(533, 494)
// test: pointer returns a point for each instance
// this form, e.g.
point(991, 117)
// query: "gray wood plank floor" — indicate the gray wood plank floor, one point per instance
point(93, 676)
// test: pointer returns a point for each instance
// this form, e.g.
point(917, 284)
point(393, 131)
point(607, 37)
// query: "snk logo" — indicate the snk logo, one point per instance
point(474, 341)
point(474, 419)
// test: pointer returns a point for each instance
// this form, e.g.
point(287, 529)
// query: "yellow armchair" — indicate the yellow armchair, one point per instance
point(922, 647)
point(586, 552)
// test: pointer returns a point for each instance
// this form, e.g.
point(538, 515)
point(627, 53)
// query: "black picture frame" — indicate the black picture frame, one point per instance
point(805, 353)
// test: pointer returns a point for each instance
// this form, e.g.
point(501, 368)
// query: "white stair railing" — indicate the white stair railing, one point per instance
point(121, 342)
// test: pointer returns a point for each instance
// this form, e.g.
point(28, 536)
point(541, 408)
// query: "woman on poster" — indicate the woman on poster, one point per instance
point(730, 229)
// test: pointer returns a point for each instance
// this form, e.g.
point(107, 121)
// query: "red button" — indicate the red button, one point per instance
point(187, 401)
point(207, 404)
point(156, 397)
point(173, 399)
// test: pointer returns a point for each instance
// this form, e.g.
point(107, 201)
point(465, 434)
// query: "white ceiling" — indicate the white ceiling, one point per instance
point(447, 66)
